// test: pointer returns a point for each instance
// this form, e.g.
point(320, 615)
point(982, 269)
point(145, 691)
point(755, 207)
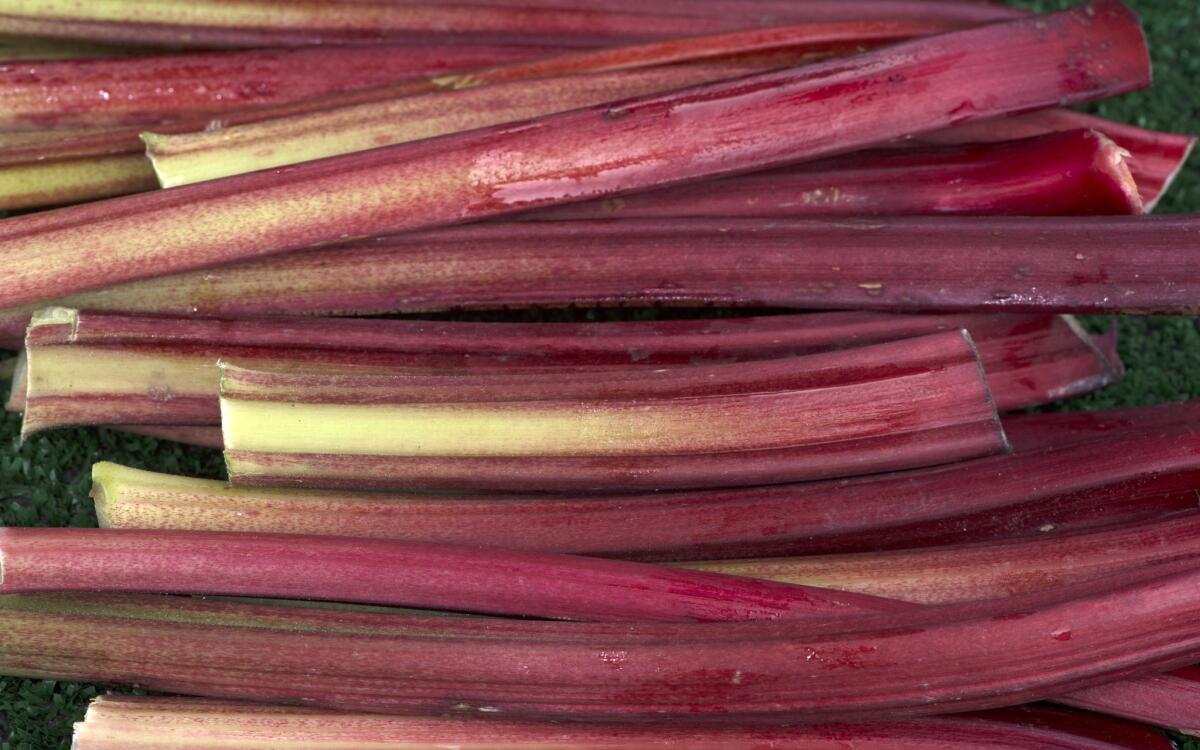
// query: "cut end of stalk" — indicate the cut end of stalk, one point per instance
point(155, 142)
point(1113, 160)
point(60, 324)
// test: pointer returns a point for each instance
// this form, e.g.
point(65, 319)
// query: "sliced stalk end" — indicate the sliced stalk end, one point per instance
point(20, 384)
point(58, 323)
point(1113, 161)
point(155, 144)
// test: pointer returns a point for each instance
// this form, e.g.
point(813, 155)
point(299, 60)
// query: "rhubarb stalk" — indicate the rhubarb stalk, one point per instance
point(119, 722)
point(707, 131)
point(410, 574)
point(1009, 264)
point(1169, 700)
point(897, 405)
point(924, 661)
point(94, 368)
point(49, 174)
point(1156, 159)
point(149, 90)
point(1126, 477)
point(1076, 172)
point(989, 570)
point(211, 23)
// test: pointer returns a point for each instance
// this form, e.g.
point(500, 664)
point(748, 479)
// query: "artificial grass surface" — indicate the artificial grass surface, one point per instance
point(45, 482)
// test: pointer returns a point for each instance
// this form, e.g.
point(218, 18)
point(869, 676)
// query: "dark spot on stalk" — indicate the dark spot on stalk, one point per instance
point(615, 114)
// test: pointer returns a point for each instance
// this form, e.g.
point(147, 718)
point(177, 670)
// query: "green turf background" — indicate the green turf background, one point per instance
point(45, 482)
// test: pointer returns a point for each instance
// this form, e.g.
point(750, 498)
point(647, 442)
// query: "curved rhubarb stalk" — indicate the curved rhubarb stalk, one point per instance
point(1157, 157)
point(919, 662)
point(1169, 700)
point(373, 571)
point(989, 570)
point(1010, 264)
point(707, 131)
point(119, 722)
point(94, 368)
point(1126, 477)
point(210, 23)
point(1076, 172)
point(148, 90)
point(910, 403)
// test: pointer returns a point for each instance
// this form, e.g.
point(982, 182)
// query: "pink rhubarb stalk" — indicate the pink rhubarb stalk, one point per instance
point(1170, 700)
point(1077, 172)
point(1156, 159)
point(83, 166)
point(120, 722)
point(374, 571)
point(989, 570)
point(1009, 264)
point(211, 23)
point(918, 662)
point(911, 403)
point(708, 131)
point(1036, 431)
point(95, 368)
point(148, 90)
point(1127, 477)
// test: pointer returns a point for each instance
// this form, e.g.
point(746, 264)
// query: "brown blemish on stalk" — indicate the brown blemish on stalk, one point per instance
point(615, 114)
point(873, 289)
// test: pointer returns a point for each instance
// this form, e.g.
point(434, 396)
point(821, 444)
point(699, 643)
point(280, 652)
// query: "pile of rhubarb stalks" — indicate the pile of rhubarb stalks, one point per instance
point(829, 517)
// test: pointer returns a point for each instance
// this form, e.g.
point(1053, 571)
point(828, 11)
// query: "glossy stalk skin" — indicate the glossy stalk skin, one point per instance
point(1169, 700)
point(961, 264)
point(117, 722)
point(1156, 159)
point(910, 403)
point(989, 570)
point(454, 103)
point(1027, 494)
point(95, 368)
point(919, 662)
point(153, 89)
point(192, 157)
point(1035, 431)
point(63, 166)
point(706, 131)
point(407, 574)
point(210, 23)
point(89, 166)
point(1076, 173)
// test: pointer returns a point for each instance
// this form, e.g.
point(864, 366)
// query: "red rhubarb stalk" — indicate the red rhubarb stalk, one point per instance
point(210, 23)
point(83, 166)
point(1076, 172)
point(1156, 159)
point(1125, 477)
point(1009, 264)
point(902, 404)
point(94, 368)
point(1169, 700)
point(374, 571)
point(989, 570)
point(707, 131)
point(148, 90)
point(1036, 431)
point(120, 722)
point(919, 662)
